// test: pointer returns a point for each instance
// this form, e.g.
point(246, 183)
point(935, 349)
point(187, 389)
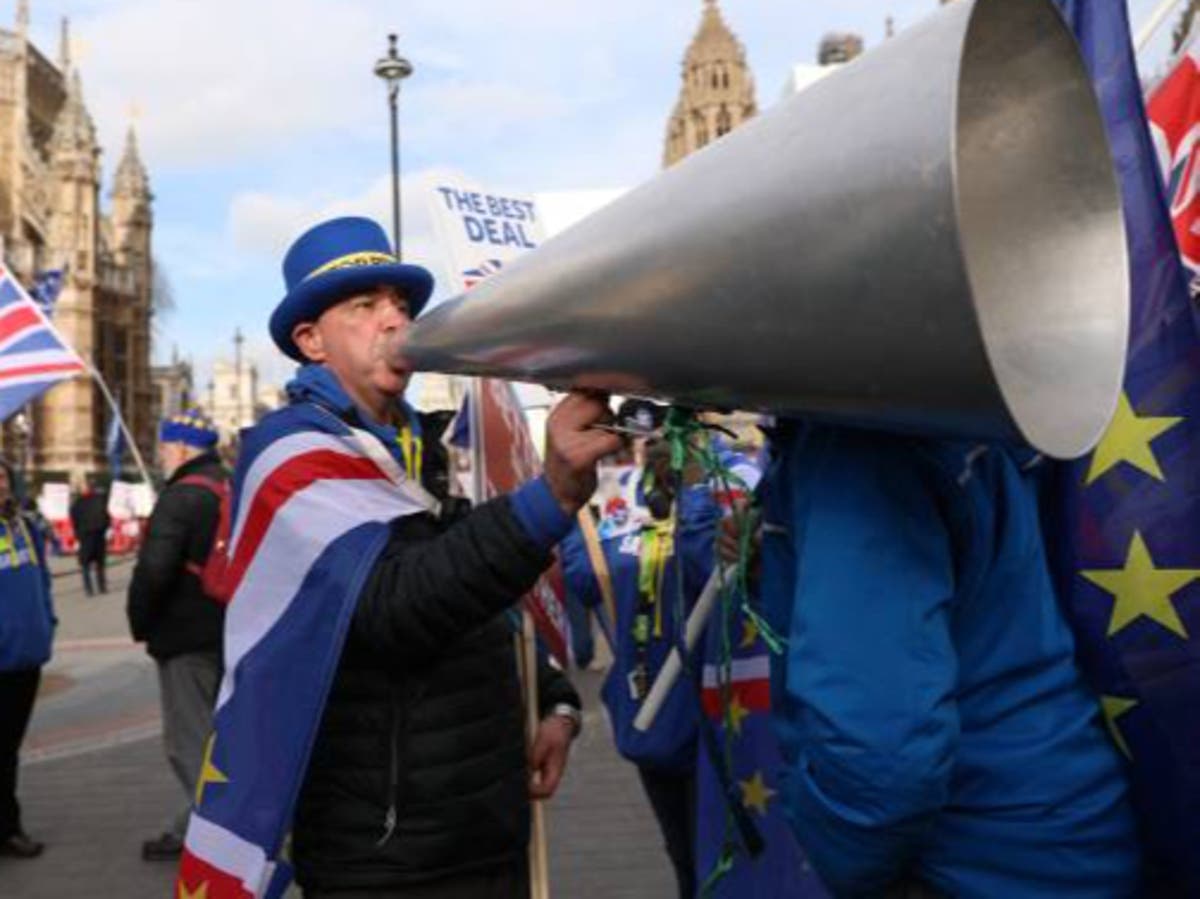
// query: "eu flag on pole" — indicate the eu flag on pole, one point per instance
point(47, 285)
point(745, 737)
point(114, 445)
point(1128, 532)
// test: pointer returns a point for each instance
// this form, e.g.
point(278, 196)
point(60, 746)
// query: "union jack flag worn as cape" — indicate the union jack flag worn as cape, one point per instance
point(312, 501)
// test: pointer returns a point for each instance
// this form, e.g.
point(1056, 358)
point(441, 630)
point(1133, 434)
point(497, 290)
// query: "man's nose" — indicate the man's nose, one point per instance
point(392, 316)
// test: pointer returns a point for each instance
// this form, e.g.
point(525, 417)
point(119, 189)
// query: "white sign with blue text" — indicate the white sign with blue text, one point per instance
point(482, 230)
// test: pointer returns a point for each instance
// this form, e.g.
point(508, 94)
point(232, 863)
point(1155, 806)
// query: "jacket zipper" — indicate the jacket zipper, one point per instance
point(389, 819)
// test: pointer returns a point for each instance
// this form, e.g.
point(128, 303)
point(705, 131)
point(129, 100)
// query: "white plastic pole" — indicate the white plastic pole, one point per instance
point(673, 666)
point(1154, 23)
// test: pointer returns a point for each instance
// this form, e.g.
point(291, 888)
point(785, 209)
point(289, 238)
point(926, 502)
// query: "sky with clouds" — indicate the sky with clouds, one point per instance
point(257, 118)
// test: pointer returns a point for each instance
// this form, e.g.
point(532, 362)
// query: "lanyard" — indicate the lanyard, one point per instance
point(413, 449)
point(9, 542)
point(657, 547)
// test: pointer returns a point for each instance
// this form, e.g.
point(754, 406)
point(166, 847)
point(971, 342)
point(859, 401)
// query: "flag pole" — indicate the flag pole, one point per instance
point(1155, 22)
point(526, 652)
point(116, 411)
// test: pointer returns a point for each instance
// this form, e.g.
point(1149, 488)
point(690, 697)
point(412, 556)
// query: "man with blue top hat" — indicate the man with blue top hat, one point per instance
point(169, 611)
point(26, 632)
point(409, 774)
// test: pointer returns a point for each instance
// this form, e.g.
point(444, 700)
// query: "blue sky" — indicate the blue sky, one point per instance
point(259, 117)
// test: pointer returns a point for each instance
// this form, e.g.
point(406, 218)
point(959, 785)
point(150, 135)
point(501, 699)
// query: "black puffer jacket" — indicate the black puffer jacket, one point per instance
point(419, 767)
point(166, 607)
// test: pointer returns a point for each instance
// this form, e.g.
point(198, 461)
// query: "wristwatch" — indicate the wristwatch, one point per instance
point(572, 714)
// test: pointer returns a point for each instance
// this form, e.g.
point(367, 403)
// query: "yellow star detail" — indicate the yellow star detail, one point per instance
point(1128, 439)
point(1141, 589)
point(737, 714)
point(749, 633)
point(756, 794)
point(1114, 707)
point(201, 892)
point(209, 773)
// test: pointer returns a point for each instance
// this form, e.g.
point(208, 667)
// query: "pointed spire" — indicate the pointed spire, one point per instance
point(74, 130)
point(131, 179)
point(64, 46)
point(717, 90)
point(23, 17)
point(713, 39)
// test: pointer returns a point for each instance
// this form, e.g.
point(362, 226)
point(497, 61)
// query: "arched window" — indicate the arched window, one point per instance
point(725, 78)
point(716, 78)
point(701, 129)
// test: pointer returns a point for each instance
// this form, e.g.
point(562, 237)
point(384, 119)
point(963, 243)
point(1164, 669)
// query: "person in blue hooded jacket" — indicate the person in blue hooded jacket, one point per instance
point(936, 732)
point(26, 630)
point(650, 557)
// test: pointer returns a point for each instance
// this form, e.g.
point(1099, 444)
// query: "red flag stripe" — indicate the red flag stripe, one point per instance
point(281, 485)
point(44, 369)
point(198, 878)
point(18, 319)
point(754, 695)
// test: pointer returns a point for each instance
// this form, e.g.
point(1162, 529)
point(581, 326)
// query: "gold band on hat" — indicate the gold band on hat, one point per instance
point(353, 260)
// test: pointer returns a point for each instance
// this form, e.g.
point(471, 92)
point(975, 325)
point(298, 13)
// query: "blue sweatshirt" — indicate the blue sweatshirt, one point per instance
point(932, 718)
point(26, 614)
point(670, 745)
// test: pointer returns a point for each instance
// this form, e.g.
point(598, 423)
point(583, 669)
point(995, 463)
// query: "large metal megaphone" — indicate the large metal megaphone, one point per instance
point(928, 240)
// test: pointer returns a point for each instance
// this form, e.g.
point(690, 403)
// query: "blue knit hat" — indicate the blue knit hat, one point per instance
point(333, 261)
point(192, 427)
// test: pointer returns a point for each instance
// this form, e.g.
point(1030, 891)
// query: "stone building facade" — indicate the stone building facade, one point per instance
point(174, 388)
point(51, 217)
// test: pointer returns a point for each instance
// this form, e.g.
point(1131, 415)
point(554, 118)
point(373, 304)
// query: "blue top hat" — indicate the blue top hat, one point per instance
point(334, 260)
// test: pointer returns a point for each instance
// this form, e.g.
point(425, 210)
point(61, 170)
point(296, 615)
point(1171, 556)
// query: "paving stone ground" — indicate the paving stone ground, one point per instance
point(94, 783)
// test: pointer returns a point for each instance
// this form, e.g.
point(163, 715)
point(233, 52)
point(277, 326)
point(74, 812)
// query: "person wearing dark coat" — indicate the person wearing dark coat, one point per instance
point(169, 611)
point(27, 624)
point(90, 521)
point(419, 781)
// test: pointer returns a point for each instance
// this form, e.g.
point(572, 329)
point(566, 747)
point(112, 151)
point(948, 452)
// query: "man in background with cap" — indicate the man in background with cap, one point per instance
point(169, 611)
point(408, 773)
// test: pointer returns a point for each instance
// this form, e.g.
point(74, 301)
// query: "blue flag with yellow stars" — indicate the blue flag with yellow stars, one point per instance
point(1125, 526)
point(736, 697)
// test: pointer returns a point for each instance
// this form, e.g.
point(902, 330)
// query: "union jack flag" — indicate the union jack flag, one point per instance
point(312, 501)
point(1174, 114)
point(473, 276)
point(32, 356)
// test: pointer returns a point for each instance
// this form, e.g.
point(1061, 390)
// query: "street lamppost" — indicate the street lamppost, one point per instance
point(393, 69)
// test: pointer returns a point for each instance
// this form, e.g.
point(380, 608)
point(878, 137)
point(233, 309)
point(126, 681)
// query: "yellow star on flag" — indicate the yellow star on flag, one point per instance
point(749, 633)
point(201, 892)
point(209, 773)
point(737, 714)
point(1141, 589)
point(1128, 440)
point(756, 794)
point(1114, 707)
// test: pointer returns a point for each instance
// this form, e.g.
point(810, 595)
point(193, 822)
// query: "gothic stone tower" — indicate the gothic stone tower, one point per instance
point(50, 218)
point(717, 93)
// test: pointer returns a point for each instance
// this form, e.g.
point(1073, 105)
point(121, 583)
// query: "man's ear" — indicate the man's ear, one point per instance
point(307, 336)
